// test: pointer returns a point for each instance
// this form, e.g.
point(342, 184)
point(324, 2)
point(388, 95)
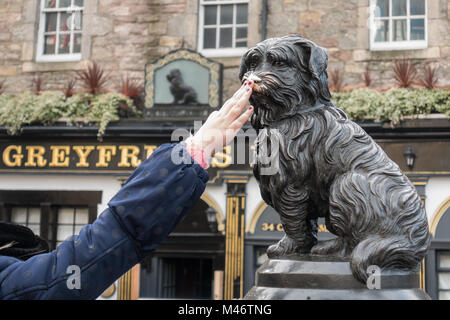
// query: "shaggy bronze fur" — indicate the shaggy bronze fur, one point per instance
point(328, 166)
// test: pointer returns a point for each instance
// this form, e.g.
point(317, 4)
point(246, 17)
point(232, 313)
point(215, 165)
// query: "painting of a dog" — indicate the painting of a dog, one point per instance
point(328, 166)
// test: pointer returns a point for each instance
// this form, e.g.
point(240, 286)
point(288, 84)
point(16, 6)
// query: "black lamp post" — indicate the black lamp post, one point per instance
point(212, 221)
point(410, 157)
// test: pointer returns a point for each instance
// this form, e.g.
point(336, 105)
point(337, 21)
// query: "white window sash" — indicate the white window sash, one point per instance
point(57, 57)
point(220, 52)
point(397, 45)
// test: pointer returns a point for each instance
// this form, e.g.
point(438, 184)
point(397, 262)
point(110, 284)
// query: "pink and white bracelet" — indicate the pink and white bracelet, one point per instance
point(197, 152)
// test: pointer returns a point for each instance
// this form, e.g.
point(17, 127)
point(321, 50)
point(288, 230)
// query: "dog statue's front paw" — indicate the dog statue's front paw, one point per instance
point(284, 247)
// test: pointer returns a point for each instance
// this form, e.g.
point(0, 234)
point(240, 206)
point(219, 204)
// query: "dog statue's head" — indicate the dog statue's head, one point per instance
point(290, 76)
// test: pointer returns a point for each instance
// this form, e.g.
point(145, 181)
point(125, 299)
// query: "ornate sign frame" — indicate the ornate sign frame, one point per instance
point(215, 75)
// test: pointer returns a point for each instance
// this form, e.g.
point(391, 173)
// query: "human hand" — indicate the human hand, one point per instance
point(223, 125)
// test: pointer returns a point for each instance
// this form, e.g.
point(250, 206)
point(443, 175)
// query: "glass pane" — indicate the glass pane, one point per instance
point(77, 43)
point(79, 3)
point(64, 3)
point(65, 21)
point(241, 33)
point(82, 216)
point(36, 228)
point(226, 14)
point(50, 22)
point(209, 38)
point(210, 15)
point(242, 14)
point(444, 295)
point(63, 232)
point(417, 29)
point(444, 260)
point(382, 31)
point(417, 7)
point(382, 8)
point(399, 30)
point(226, 38)
point(444, 280)
point(50, 44)
point(34, 215)
point(19, 215)
point(64, 44)
point(78, 229)
point(50, 4)
point(399, 7)
point(241, 44)
point(65, 215)
point(78, 20)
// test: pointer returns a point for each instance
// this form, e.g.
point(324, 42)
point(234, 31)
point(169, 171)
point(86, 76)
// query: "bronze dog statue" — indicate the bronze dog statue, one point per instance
point(328, 166)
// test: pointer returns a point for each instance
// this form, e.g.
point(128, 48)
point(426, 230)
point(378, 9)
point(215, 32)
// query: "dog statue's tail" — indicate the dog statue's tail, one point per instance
point(397, 252)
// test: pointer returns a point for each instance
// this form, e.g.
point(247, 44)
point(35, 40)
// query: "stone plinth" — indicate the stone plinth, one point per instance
point(327, 278)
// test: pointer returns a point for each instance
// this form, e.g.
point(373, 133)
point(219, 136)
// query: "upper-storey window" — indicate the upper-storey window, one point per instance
point(398, 24)
point(223, 29)
point(60, 28)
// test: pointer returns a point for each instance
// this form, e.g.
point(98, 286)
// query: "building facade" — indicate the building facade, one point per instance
point(217, 248)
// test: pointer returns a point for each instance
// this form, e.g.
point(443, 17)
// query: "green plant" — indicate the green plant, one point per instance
point(26, 108)
point(105, 108)
point(132, 89)
point(391, 106)
point(93, 78)
point(68, 89)
point(429, 79)
point(404, 73)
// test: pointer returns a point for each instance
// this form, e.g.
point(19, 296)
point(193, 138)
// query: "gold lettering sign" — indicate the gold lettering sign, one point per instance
point(60, 156)
point(105, 154)
point(129, 157)
point(36, 156)
point(83, 153)
point(222, 159)
point(149, 150)
point(102, 157)
point(279, 227)
point(17, 157)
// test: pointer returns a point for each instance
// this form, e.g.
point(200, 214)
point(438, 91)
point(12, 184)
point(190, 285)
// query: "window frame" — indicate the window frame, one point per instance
point(67, 57)
point(220, 52)
point(397, 45)
point(49, 203)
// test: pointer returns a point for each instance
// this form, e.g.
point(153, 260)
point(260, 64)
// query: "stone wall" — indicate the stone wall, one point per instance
point(123, 35)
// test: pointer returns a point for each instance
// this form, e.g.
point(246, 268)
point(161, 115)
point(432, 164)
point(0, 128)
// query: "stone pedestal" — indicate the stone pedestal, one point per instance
point(327, 278)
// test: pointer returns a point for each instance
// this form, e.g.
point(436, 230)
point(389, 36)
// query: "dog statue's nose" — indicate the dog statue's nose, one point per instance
point(252, 77)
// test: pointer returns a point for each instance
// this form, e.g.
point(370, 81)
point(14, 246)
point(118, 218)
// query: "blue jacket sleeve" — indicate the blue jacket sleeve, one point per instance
point(140, 216)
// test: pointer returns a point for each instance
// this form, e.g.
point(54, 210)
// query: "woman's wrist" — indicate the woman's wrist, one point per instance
point(200, 153)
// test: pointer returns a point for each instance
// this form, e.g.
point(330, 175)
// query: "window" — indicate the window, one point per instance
point(398, 24)
point(60, 29)
point(444, 275)
point(223, 29)
point(53, 215)
point(70, 221)
point(27, 216)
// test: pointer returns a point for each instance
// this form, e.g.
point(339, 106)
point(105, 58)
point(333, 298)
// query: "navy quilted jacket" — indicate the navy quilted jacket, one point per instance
point(139, 217)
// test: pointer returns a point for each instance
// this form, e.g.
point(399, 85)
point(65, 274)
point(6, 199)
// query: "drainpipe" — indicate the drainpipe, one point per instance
point(264, 14)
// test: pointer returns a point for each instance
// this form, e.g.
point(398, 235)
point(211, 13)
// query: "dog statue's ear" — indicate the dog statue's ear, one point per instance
point(243, 67)
point(318, 61)
point(318, 56)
